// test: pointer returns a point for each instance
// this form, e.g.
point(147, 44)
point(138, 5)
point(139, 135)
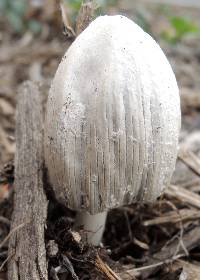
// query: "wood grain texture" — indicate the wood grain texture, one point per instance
point(26, 245)
point(113, 118)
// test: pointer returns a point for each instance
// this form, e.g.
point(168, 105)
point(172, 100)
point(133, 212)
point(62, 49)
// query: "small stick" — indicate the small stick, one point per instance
point(85, 16)
point(10, 233)
point(5, 261)
point(190, 159)
point(183, 195)
point(68, 30)
point(190, 239)
point(105, 269)
point(4, 221)
point(158, 263)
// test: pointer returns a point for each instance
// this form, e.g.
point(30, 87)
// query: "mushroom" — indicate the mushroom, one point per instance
point(112, 122)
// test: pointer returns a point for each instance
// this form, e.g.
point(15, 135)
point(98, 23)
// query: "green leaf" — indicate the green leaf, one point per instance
point(19, 7)
point(75, 4)
point(3, 5)
point(35, 26)
point(183, 26)
point(180, 28)
point(168, 37)
point(15, 21)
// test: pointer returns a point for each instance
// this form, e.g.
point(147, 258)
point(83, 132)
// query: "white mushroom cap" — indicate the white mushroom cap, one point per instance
point(113, 118)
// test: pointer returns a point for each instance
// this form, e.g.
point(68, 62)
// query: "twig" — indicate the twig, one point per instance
point(190, 159)
point(85, 16)
point(4, 220)
point(68, 30)
point(190, 240)
point(105, 269)
point(128, 225)
point(180, 243)
point(172, 217)
point(183, 195)
point(10, 233)
point(168, 261)
point(5, 261)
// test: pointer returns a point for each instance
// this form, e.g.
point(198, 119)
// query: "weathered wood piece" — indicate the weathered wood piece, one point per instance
point(26, 245)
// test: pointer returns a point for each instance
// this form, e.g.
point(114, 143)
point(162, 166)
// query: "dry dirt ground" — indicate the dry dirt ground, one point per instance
point(160, 241)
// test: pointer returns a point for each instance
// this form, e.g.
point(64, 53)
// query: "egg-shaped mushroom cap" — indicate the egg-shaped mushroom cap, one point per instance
point(113, 118)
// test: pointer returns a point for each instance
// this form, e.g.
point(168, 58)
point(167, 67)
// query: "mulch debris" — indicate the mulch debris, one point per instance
point(158, 241)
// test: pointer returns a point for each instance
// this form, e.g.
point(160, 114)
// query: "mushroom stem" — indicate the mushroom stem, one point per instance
point(92, 225)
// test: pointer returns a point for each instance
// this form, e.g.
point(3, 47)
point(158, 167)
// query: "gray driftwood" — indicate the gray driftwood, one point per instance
point(26, 246)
